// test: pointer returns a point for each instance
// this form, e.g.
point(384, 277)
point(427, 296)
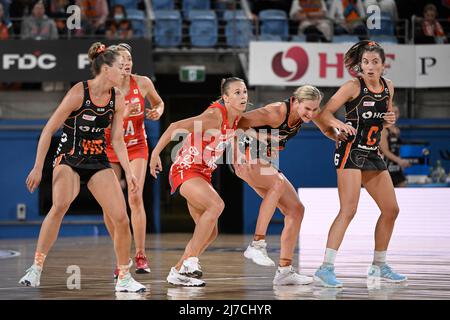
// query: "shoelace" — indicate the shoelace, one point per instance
point(33, 271)
point(387, 270)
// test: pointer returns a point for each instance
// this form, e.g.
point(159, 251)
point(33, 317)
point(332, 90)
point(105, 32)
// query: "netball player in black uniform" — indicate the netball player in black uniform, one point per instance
point(281, 121)
point(86, 110)
point(390, 147)
point(368, 105)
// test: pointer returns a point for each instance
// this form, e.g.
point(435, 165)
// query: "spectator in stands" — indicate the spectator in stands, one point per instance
point(5, 4)
point(348, 16)
point(19, 9)
point(38, 25)
point(5, 27)
point(312, 18)
point(93, 16)
point(387, 7)
point(431, 27)
point(121, 30)
point(58, 11)
point(118, 26)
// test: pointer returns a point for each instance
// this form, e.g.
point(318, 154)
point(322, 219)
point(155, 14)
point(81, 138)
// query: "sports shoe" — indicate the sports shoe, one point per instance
point(178, 279)
point(256, 251)
point(286, 276)
point(141, 263)
point(116, 270)
point(385, 273)
point(325, 276)
point(191, 268)
point(32, 278)
point(128, 284)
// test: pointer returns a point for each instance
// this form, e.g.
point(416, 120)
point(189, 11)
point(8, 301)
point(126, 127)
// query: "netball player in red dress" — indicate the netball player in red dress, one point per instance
point(209, 133)
point(86, 110)
point(136, 89)
point(368, 105)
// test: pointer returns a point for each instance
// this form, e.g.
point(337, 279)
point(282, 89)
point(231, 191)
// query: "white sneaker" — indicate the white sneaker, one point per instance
point(178, 279)
point(32, 278)
point(191, 268)
point(128, 284)
point(287, 276)
point(257, 252)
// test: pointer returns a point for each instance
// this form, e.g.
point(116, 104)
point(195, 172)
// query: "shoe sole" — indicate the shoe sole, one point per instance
point(178, 284)
point(293, 284)
point(326, 285)
point(27, 283)
point(142, 271)
point(127, 291)
point(372, 278)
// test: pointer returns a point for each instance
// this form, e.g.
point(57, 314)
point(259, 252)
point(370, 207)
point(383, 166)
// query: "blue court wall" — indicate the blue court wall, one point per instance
point(306, 162)
point(18, 144)
point(308, 159)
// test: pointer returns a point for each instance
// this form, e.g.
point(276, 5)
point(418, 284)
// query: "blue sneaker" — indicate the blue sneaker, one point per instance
point(325, 276)
point(385, 272)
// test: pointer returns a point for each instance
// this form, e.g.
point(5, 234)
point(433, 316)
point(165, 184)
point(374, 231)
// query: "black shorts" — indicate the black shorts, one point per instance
point(348, 156)
point(85, 167)
point(397, 177)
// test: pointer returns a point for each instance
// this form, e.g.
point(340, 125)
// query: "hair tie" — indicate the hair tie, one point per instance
point(372, 44)
point(101, 49)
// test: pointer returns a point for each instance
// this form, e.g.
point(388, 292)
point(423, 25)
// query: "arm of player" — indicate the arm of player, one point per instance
point(72, 101)
point(157, 104)
point(210, 119)
point(344, 94)
point(389, 118)
point(384, 147)
point(118, 143)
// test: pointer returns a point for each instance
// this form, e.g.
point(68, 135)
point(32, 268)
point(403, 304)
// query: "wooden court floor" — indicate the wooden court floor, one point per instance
point(426, 262)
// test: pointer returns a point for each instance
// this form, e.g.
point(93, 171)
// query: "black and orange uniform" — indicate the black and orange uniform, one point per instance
point(394, 169)
point(366, 114)
point(255, 149)
point(82, 145)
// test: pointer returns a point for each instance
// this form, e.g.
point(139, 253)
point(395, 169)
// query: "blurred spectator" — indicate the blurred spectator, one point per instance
point(390, 147)
point(38, 25)
point(387, 7)
point(5, 4)
point(349, 17)
point(431, 30)
point(312, 18)
point(58, 11)
point(121, 30)
point(19, 9)
point(118, 26)
point(93, 16)
point(5, 27)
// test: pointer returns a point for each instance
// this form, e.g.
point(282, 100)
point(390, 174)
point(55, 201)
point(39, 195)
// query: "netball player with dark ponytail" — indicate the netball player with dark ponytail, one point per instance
point(368, 105)
point(85, 112)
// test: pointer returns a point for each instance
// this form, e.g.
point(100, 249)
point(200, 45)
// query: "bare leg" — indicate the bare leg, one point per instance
point(108, 222)
point(379, 185)
point(349, 187)
point(65, 188)
point(105, 187)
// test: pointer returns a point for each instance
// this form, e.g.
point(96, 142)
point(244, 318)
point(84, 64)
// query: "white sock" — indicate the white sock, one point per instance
point(258, 243)
point(284, 269)
point(379, 258)
point(330, 256)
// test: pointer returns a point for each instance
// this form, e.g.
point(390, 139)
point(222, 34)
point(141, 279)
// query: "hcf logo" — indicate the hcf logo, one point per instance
point(296, 54)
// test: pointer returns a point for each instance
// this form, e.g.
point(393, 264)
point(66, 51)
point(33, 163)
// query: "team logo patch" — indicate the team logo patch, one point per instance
point(368, 103)
point(135, 91)
point(88, 117)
